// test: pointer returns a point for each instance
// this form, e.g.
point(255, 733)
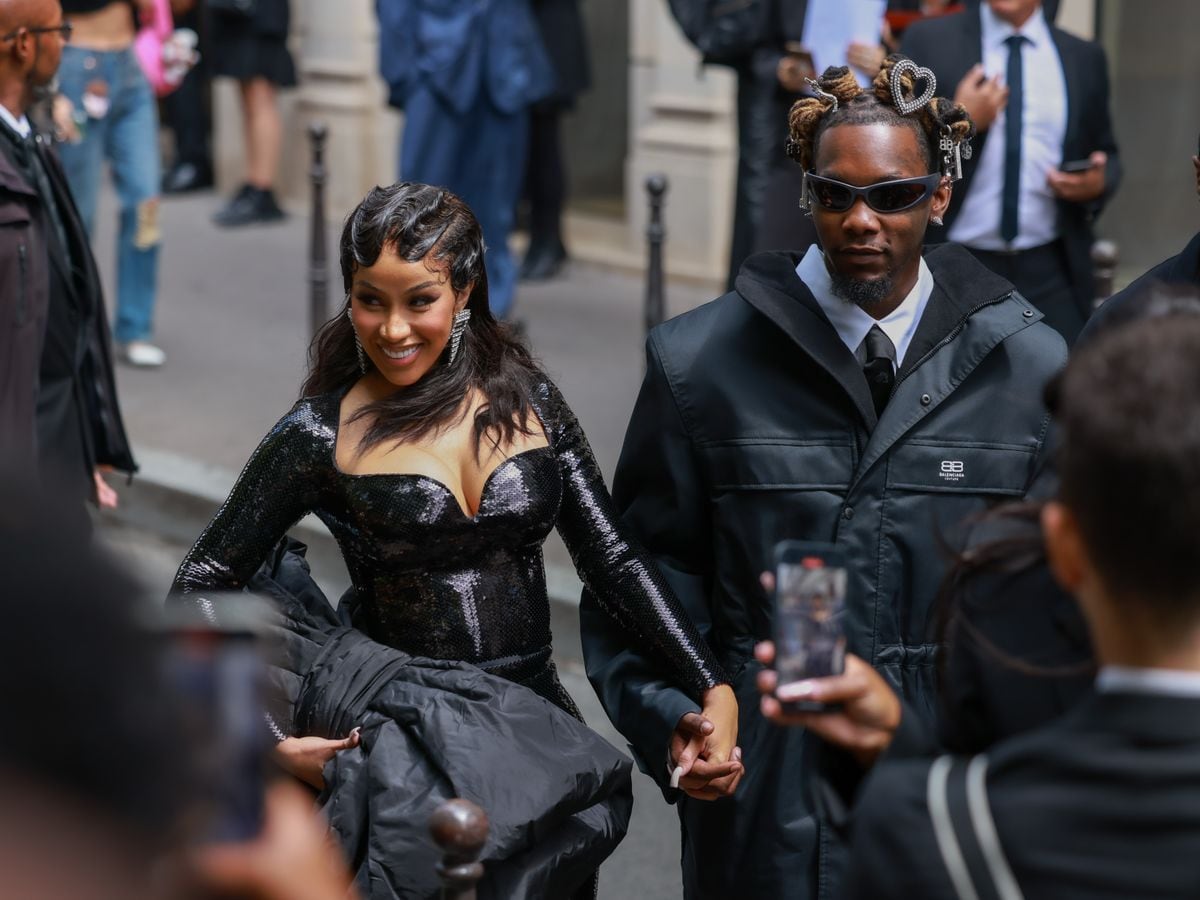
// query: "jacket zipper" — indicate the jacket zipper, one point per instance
point(22, 298)
point(954, 332)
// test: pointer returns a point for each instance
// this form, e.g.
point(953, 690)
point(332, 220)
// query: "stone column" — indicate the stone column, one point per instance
point(682, 123)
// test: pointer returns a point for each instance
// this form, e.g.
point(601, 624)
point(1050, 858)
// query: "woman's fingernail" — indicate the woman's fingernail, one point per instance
point(797, 690)
point(676, 774)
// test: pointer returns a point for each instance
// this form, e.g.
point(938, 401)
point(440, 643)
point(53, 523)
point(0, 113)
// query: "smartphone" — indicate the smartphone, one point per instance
point(1076, 165)
point(219, 676)
point(810, 611)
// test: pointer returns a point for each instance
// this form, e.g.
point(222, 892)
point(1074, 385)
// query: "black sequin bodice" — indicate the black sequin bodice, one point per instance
point(434, 581)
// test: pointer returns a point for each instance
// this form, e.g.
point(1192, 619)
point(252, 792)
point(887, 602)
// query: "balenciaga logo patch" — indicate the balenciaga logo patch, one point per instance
point(952, 470)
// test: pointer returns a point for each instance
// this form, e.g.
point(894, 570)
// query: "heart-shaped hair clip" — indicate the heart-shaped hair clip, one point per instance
point(909, 105)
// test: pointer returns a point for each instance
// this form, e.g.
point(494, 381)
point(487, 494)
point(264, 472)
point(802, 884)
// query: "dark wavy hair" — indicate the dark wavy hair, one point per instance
point(419, 222)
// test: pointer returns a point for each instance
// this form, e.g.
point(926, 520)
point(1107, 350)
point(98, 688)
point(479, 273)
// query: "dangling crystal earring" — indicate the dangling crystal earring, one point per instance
point(362, 356)
point(457, 330)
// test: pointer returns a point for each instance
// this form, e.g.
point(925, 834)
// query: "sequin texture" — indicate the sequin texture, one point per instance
point(434, 581)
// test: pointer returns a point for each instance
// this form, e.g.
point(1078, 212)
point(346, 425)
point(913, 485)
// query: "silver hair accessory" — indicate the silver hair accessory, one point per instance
point(457, 330)
point(815, 86)
point(951, 154)
point(362, 356)
point(905, 105)
point(804, 202)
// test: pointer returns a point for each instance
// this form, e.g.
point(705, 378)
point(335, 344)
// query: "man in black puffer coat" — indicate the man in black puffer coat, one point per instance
point(756, 423)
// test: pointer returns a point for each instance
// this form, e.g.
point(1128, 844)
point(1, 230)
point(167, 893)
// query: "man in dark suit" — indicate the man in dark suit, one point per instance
point(1106, 802)
point(59, 417)
point(1016, 209)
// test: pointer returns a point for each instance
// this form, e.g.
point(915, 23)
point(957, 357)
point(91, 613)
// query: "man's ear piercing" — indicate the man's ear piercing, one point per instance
point(936, 220)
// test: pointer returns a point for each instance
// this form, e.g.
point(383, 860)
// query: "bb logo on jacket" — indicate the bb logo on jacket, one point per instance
point(952, 470)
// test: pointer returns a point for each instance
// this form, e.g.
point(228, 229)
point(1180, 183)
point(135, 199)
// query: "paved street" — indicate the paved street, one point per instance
point(232, 317)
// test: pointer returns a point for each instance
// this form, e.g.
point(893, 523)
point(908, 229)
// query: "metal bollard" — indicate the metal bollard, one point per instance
point(460, 829)
point(318, 256)
point(656, 236)
point(1104, 270)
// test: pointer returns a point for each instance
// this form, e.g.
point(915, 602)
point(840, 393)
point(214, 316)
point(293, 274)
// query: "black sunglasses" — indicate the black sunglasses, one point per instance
point(883, 196)
point(64, 30)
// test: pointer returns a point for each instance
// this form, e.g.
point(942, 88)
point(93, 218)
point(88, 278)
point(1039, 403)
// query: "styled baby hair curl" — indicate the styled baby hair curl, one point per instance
point(810, 117)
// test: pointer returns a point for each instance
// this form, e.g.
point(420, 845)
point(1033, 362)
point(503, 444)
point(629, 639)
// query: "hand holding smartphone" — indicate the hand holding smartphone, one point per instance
point(810, 608)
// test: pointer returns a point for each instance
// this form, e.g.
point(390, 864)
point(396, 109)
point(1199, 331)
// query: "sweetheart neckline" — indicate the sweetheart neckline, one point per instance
point(441, 484)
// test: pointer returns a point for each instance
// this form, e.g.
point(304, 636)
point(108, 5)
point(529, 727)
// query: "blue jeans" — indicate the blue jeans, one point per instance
point(128, 138)
point(479, 155)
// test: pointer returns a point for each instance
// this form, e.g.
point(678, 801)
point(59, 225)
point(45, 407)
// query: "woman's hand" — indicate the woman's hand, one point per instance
point(305, 757)
point(869, 713)
point(704, 747)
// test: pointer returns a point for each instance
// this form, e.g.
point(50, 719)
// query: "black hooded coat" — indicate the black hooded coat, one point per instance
point(557, 795)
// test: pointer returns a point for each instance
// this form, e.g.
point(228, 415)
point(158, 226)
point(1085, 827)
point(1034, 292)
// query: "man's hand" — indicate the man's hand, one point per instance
point(1080, 187)
point(702, 779)
point(982, 97)
point(869, 713)
point(305, 757)
point(867, 58)
point(791, 72)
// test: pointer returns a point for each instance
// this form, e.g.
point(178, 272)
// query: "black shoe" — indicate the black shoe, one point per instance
point(186, 176)
point(250, 206)
point(543, 260)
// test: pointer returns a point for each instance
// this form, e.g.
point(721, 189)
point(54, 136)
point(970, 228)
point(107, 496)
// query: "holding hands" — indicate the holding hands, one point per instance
point(704, 748)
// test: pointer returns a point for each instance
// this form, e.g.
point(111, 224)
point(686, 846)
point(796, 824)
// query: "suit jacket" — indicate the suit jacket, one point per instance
point(1104, 803)
point(952, 44)
point(61, 349)
point(754, 424)
point(462, 47)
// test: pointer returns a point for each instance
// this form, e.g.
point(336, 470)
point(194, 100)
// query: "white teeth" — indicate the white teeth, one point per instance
point(400, 354)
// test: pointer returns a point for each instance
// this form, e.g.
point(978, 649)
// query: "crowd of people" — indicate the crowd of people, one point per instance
point(918, 377)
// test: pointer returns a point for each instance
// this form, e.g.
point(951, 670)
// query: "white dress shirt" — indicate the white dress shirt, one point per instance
point(1129, 680)
point(1043, 128)
point(21, 126)
point(849, 320)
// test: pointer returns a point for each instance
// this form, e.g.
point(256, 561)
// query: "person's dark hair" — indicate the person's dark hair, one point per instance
point(811, 117)
point(87, 714)
point(419, 222)
point(1128, 409)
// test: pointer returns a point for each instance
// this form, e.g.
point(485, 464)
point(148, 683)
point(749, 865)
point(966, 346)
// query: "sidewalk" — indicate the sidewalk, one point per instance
point(233, 316)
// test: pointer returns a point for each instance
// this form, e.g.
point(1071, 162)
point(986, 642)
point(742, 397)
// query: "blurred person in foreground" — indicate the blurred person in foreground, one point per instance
point(1103, 803)
point(100, 791)
point(114, 119)
point(59, 417)
point(1047, 159)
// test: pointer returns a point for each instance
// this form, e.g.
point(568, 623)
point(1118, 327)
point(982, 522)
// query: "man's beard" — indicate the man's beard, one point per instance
point(863, 294)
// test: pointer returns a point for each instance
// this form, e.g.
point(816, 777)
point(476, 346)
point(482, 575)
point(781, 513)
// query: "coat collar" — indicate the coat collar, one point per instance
point(962, 286)
point(769, 283)
point(1149, 718)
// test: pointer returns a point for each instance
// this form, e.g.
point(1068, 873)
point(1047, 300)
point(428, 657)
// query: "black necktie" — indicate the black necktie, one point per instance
point(880, 366)
point(1013, 114)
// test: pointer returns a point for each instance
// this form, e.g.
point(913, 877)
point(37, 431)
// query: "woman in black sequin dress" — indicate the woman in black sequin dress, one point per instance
point(440, 457)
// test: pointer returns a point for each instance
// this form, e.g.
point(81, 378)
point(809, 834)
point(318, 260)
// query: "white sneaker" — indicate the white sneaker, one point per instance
point(143, 354)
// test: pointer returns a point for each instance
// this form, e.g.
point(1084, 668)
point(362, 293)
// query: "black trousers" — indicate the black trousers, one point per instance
point(1043, 278)
point(186, 110)
point(545, 175)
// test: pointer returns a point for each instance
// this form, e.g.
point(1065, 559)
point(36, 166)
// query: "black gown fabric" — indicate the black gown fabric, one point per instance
point(432, 580)
point(558, 797)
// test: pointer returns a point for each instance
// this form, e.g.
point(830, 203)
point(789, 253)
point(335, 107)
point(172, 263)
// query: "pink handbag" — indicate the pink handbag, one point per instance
point(156, 29)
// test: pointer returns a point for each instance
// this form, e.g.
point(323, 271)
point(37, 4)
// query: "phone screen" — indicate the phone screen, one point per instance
point(219, 676)
point(810, 609)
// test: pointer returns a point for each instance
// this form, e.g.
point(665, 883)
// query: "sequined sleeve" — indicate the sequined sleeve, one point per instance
point(277, 487)
point(613, 567)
